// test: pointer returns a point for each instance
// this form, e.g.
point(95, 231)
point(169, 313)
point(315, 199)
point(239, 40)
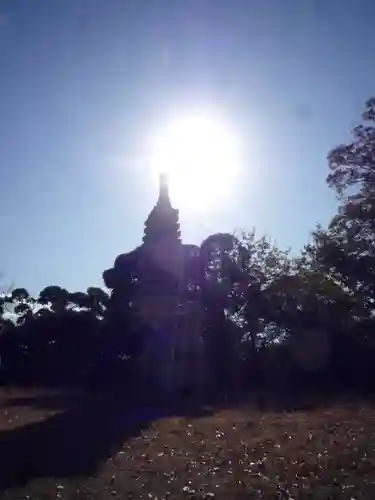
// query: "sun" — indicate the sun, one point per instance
point(200, 153)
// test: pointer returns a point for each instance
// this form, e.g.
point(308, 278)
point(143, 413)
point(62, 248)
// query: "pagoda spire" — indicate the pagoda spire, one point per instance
point(164, 189)
point(163, 220)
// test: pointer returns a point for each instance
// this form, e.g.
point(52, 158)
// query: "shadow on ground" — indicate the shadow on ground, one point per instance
point(90, 428)
point(74, 442)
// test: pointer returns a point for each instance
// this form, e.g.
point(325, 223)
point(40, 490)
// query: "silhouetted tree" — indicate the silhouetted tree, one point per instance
point(268, 318)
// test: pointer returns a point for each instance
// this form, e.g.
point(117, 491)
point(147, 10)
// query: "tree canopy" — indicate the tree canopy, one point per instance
point(269, 317)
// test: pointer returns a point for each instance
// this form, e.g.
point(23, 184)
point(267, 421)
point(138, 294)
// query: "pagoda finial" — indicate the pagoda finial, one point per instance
point(163, 220)
point(163, 188)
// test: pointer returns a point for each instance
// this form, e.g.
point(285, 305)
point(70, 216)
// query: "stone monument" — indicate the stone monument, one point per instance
point(166, 310)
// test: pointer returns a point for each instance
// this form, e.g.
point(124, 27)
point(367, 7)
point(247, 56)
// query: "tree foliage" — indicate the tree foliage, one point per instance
point(268, 317)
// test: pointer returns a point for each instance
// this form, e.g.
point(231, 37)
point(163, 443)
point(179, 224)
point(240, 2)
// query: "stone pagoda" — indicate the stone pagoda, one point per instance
point(172, 352)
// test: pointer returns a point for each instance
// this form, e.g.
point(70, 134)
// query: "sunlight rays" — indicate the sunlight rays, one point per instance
point(201, 155)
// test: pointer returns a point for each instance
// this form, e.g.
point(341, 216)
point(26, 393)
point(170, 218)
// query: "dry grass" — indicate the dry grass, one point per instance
point(14, 416)
point(230, 454)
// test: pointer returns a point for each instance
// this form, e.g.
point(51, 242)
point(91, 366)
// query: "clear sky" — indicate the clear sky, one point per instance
point(82, 80)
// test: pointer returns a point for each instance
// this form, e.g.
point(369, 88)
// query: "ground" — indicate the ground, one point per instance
point(80, 446)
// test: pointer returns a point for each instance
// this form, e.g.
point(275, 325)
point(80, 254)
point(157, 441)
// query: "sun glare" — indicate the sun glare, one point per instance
point(201, 155)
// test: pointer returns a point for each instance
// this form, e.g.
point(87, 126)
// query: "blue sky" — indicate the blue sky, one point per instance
point(81, 81)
